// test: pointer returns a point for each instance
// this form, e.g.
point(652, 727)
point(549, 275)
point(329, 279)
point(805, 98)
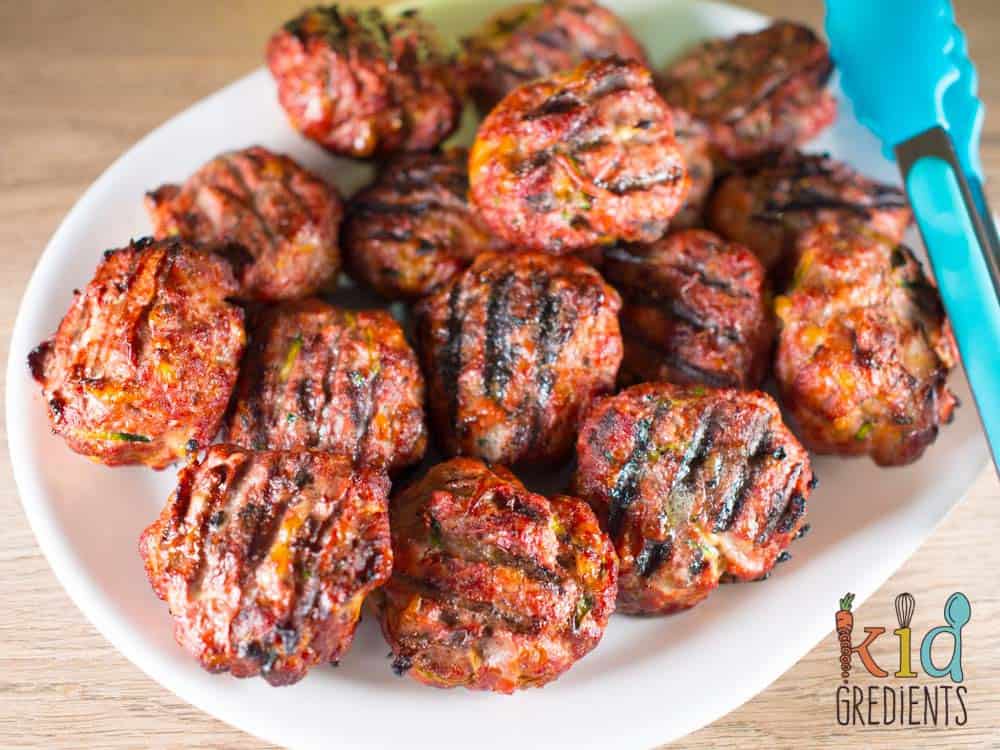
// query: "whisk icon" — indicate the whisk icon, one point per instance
point(905, 606)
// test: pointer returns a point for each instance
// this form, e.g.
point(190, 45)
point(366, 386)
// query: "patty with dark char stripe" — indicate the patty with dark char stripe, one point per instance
point(493, 587)
point(691, 483)
point(758, 92)
point(864, 349)
point(362, 83)
point(143, 363)
point(514, 349)
point(696, 311)
point(768, 207)
point(582, 158)
point(264, 558)
point(412, 230)
point(531, 40)
point(330, 379)
point(283, 216)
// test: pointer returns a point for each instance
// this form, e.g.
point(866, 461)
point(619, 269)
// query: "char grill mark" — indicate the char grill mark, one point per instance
point(265, 524)
point(695, 373)
point(498, 365)
point(626, 488)
point(235, 482)
point(551, 337)
point(697, 450)
point(611, 82)
point(806, 200)
point(643, 181)
point(248, 198)
point(820, 73)
point(675, 266)
point(675, 308)
point(451, 366)
point(363, 393)
point(467, 548)
point(652, 557)
point(793, 512)
point(303, 398)
point(791, 179)
point(758, 451)
point(487, 613)
point(430, 176)
point(139, 325)
point(184, 495)
point(580, 139)
point(417, 208)
point(723, 285)
point(782, 501)
point(556, 38)
point(560, 103)
point(332, 354)
point(287, 189)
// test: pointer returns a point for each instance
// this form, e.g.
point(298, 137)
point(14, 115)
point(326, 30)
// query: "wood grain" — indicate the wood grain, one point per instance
point(82, 81)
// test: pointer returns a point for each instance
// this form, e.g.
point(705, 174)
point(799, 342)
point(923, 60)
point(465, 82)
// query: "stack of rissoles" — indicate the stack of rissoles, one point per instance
point(603, 279)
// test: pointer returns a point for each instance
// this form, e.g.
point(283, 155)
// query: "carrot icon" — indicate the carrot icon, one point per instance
point(845, 624)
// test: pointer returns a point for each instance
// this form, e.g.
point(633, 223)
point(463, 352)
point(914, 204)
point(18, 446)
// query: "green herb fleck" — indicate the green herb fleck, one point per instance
point(124, 437)
point(435, 538)
point(583, 606)
point(863, 431)
point(290, 357)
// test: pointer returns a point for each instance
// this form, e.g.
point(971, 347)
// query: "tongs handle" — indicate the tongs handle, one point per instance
point(962, 243)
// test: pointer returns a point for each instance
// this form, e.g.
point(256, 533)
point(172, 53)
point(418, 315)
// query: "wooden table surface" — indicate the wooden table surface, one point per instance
point(79, 83)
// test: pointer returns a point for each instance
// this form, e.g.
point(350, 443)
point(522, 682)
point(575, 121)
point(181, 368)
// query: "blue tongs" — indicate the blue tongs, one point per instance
point(905, 67)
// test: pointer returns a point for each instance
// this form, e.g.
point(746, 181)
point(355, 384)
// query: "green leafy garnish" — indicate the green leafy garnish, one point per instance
point(863, 431)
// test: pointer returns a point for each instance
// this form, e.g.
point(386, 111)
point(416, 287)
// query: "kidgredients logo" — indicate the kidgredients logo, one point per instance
point(905, 699)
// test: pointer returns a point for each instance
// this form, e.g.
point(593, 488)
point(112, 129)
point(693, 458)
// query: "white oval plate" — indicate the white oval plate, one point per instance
point(674, 674)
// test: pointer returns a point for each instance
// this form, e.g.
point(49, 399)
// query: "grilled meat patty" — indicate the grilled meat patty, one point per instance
point(531, 40)
point(144, 361)
point(758, 92)
point(324, 378)
point(864, 348)
point(493, 587)
point(696, 311)
point(362, 84)
point(768, 208)
point(696, 152)
point(691, 484)
point(412, 230)
point(581, 158)
point(283, 216)
point(514, 349)
point(264, 558)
